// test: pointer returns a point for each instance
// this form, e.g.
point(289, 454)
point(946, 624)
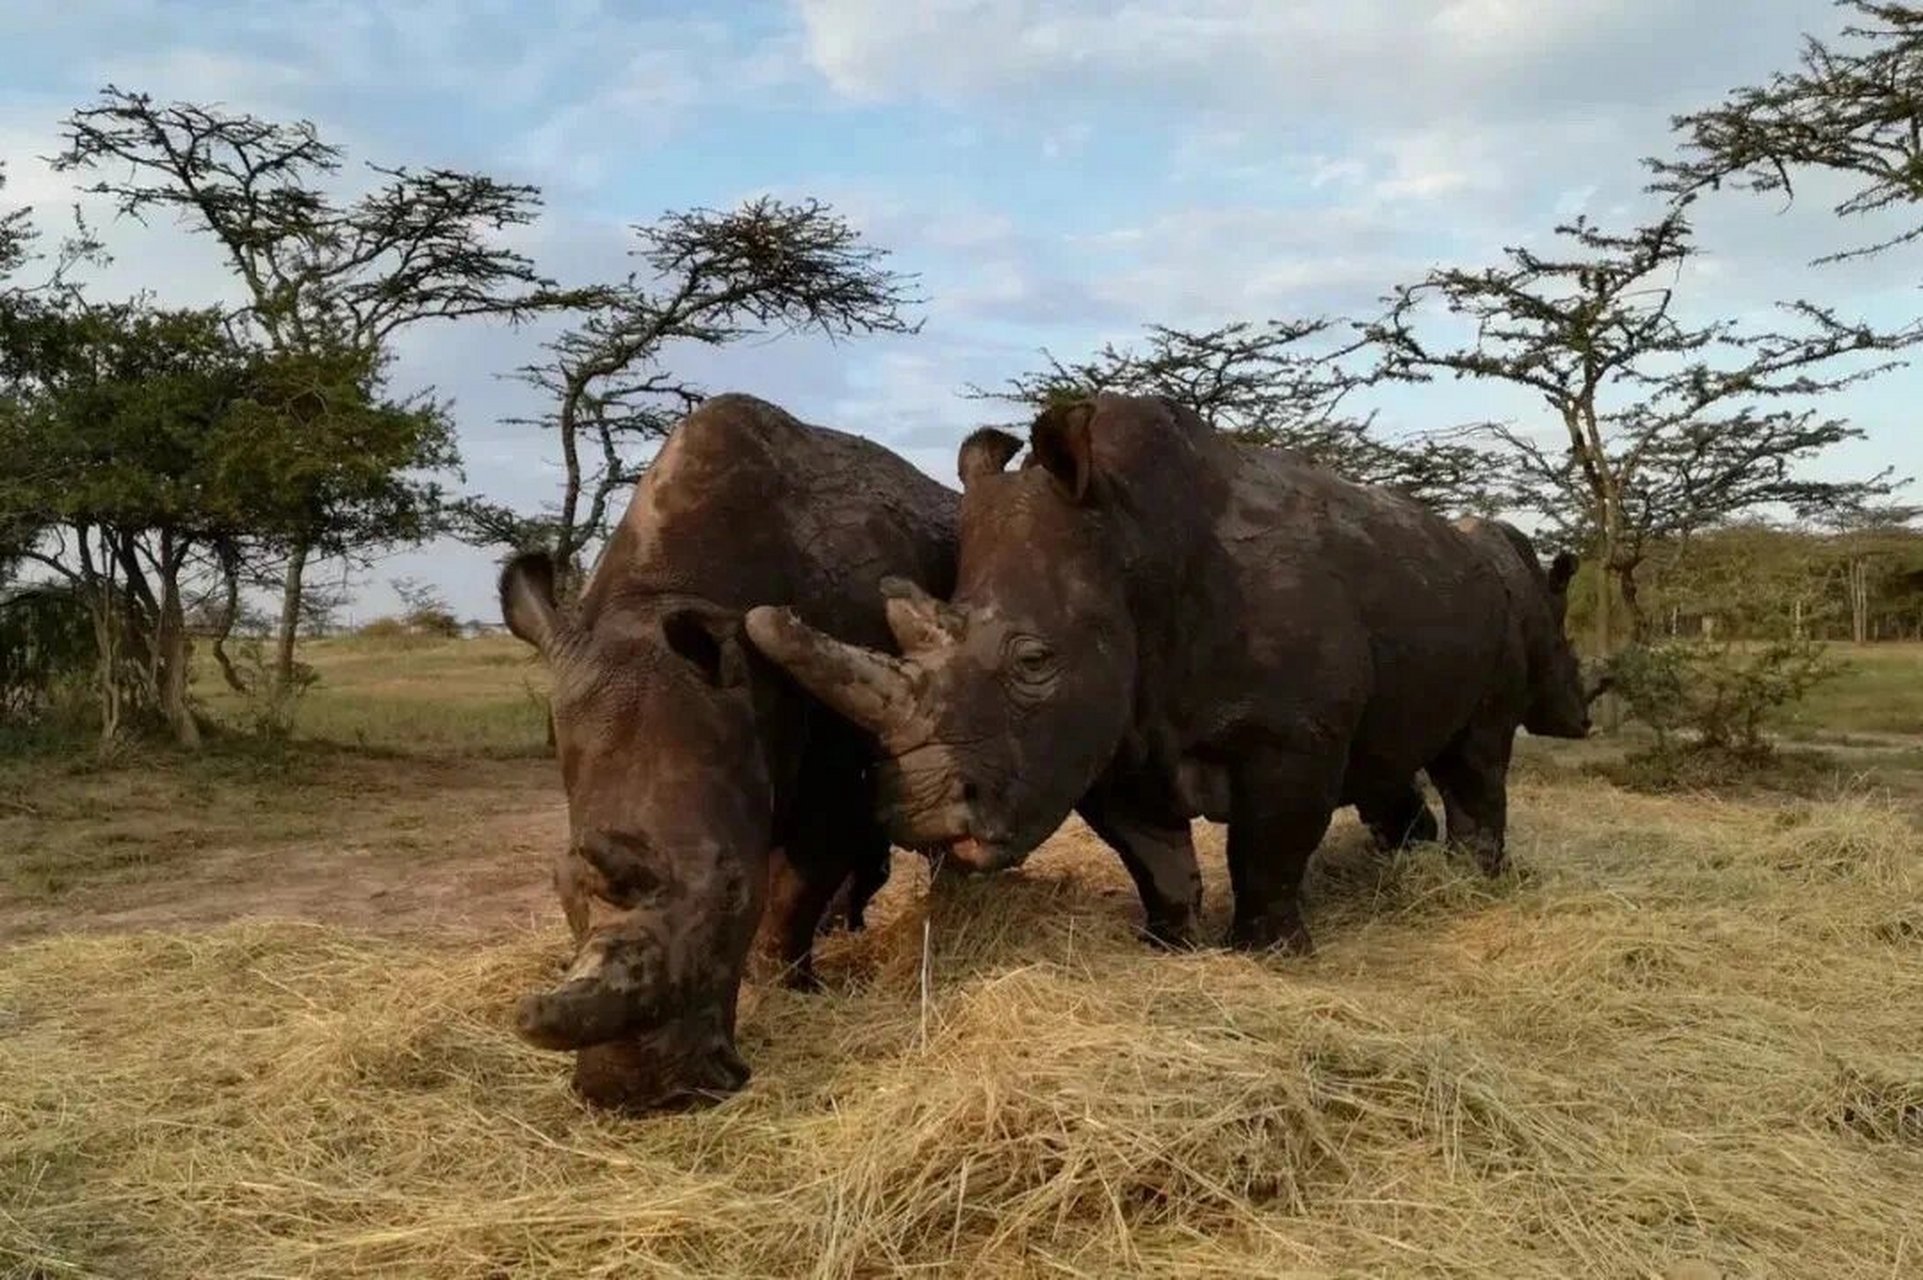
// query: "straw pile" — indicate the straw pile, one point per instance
point(1684, 1041)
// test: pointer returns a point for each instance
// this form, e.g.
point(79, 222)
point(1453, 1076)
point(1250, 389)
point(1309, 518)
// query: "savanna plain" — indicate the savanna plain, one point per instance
point(254, 1021)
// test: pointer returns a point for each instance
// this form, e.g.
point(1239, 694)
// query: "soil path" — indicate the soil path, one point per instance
point(426, 847)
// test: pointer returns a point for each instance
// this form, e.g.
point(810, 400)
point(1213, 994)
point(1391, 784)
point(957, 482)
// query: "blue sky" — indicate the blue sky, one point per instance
point(1059, 173)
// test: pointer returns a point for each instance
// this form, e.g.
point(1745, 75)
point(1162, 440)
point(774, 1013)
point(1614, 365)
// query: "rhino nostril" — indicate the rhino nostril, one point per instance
point(969, 794)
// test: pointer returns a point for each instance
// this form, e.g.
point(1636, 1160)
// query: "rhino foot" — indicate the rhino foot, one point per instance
point(1424, 830)
point(1171, 934)
point(1490, 856)
point(1283, 933)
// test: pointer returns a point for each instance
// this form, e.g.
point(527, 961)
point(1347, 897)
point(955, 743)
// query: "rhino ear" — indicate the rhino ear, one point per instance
point(710, 642)
point(527, 599)
point(986, 452)
point(1561, 570)
point(1060, 441)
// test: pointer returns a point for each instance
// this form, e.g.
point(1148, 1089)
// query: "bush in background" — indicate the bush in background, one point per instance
point(1710, 704)
point(47, 662)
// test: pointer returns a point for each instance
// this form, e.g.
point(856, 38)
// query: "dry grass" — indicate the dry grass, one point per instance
point(1685, 1032)
point(415, 696)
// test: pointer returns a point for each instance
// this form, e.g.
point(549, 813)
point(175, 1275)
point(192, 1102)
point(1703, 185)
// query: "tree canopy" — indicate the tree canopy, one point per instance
point(706, 278)
point(1281, 384)
point(1852, 107)
point(1662, 426)
point(327, 281)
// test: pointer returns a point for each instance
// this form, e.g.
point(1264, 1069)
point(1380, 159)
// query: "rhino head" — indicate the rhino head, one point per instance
point(670, 809)
point(1009, 700)
point(1559, 693)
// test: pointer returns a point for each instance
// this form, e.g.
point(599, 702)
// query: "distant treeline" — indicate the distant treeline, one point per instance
point(1758, 582)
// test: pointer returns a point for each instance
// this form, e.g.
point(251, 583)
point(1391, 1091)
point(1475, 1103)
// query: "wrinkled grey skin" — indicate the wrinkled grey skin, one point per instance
point(709, 797)
point(1153, 622)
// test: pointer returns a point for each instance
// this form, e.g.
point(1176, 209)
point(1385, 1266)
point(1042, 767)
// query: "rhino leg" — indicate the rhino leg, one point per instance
point(1473, 777)
point(1160, 859)
point(1278, 812)
point(1398, 817)
point(870, 874)
point(849, 906)
point(798, 896)
point(835, 847)
point(838, 909)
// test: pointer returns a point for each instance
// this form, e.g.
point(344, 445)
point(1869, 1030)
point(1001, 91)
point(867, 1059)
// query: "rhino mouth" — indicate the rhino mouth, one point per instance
point(984, 856)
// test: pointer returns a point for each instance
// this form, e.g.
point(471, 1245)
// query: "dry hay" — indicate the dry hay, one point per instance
point(1683, 1041)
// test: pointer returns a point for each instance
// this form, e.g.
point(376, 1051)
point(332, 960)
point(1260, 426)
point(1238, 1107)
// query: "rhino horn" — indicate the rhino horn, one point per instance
point(920, 622)
point(615, 988)
point(872, 689)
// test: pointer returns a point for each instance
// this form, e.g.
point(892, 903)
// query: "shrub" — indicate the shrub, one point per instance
point(436, 621)
point(1706, 698)
point(47, 653)
point(424, 611)
point(270, 703)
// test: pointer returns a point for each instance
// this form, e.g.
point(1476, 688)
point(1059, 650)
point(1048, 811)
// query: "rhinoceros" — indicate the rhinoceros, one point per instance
point(703, 785)
point(1154, 621)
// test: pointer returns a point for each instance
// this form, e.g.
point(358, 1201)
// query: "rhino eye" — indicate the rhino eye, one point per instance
point(1031, 659)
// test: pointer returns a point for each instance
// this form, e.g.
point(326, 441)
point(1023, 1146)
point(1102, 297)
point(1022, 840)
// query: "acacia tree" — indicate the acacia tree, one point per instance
point(707, 278)
point(148, 450)
point(1666, 427)
point(107, 454)
point(339, 466)
point(321, 275)
point(1851, 108)
point(16, 237)
point(1281, 384)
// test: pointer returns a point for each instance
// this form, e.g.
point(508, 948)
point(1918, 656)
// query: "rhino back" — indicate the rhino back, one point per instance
point(1529, 610)
point(1329, 608)
point(747, 505)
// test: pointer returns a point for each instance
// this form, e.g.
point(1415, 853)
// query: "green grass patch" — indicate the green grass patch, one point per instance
point(409, 695)
point(1879, 690)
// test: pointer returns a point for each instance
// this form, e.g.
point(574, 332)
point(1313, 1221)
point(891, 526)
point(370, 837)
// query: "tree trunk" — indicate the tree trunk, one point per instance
point(1604, 639)
point(229, 615)
point(290, 616)
point(1859, 577)
point(1608, 709)
point(171, 654)
point(106, 634)
point(1632, 601)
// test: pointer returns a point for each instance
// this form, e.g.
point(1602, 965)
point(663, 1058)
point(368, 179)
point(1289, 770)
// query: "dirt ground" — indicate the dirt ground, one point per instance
point(399, 846)
point(387, 846)
point(419, 796)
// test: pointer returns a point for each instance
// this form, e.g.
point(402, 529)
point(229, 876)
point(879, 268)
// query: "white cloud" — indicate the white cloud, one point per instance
point(256, 83)
point(1373, 59)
